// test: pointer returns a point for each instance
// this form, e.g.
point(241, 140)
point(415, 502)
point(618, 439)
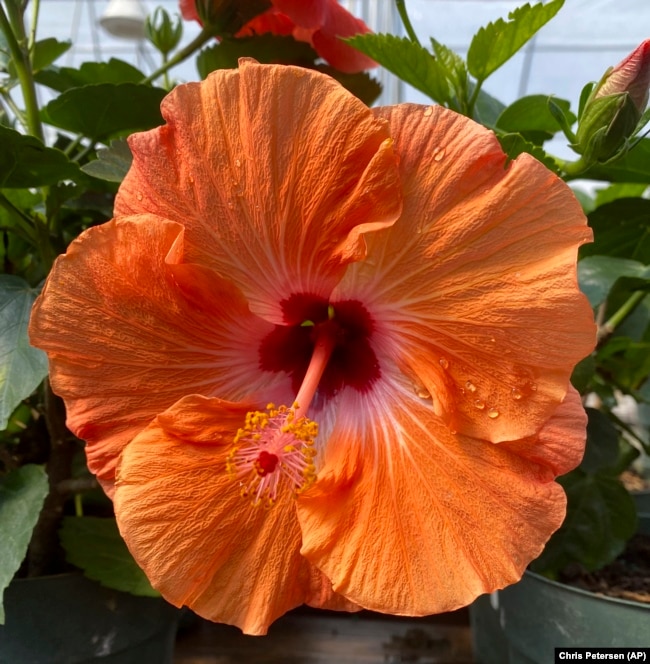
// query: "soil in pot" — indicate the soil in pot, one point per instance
point(627, 577)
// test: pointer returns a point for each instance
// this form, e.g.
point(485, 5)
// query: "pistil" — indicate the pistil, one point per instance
point(274, 450)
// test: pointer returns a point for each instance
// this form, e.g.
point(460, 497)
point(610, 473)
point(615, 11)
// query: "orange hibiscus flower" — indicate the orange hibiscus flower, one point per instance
point(405, 298)
point(319, 23)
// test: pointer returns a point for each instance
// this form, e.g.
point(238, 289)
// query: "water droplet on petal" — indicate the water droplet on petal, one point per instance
point(438, 154)
point(444, 363)
point(139, 196)
point(231, 205)
point(237, 162)
point(479, 404)
point(421, 391)
point(516, 393)
point(470, 386)
point(533, 387)
point(493, 413)
point(428, 111)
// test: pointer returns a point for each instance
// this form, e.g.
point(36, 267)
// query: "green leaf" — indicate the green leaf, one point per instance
point(265, 48)
point(112, 163)
point(26, 162)
point(634, 166)
point(598, 274)
point(621, 229)
point(601, 518)
point(586, 201)
point(531, 117)
point(5, 53)
point(46, 51)
point(585, 93)
point(583, 373)
point(615, 191)
point(601, 451)
point(645, 118)
point(227, 17)
point(451, 62)
point(626, 361)
point(515, 144)
point(563, 117)
point(95, 546)
point(113, 71)
point(487, 109)
point(455, 71)
point(22, 367)
point(408, 61)
point(22, 493)
point(106, 109)
point(643, 394)
point(23, 199)
point(497, 42)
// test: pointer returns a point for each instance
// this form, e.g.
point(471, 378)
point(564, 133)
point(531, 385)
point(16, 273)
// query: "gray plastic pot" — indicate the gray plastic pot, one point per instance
point(523, 623)
point(68, 619)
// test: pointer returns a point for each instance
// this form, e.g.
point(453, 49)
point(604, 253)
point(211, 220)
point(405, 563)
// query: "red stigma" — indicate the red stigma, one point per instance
point(265, 463)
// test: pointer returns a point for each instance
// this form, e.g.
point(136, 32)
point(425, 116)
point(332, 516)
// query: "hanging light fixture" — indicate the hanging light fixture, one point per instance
point(124, 18)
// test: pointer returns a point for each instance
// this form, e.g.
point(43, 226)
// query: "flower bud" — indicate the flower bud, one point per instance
point(632, 75)
point(162, 32)
point(615, 106)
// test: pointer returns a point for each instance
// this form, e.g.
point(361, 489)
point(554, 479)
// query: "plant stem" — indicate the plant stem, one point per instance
point(617, 318)
point(78, 485)
point(14, 33)
point(85, 152)
point(166, 82)
point(44, 549)
point(204, 36)
point(573, 169)
point(406, 21)
point(23, 224)
point(36, 4)
point(472, 102)
point(18, 113)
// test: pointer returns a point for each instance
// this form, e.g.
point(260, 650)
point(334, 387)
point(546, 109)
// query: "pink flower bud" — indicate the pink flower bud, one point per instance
point(632, 75)
point(612, 112)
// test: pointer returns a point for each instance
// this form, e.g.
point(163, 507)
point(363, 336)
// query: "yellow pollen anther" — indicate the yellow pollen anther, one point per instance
point(273, 452)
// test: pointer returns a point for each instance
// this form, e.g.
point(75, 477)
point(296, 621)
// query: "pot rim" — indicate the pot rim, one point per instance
point(585, 593)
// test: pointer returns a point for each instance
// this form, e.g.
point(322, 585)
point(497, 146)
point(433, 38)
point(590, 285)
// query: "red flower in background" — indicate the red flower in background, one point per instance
point(320, 23)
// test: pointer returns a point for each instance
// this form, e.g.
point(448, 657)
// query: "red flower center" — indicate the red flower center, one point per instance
point(289, 347)
point(266, 463)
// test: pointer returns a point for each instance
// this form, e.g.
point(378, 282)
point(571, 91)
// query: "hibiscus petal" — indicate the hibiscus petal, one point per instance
point(410, 519)
point(322, 595)
point(338, 24)
point(269, 21)
point(188, 10)
point(129, 332)
point(305, 14)
point(197, 539)
point(272, 171)
point(475, 286)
